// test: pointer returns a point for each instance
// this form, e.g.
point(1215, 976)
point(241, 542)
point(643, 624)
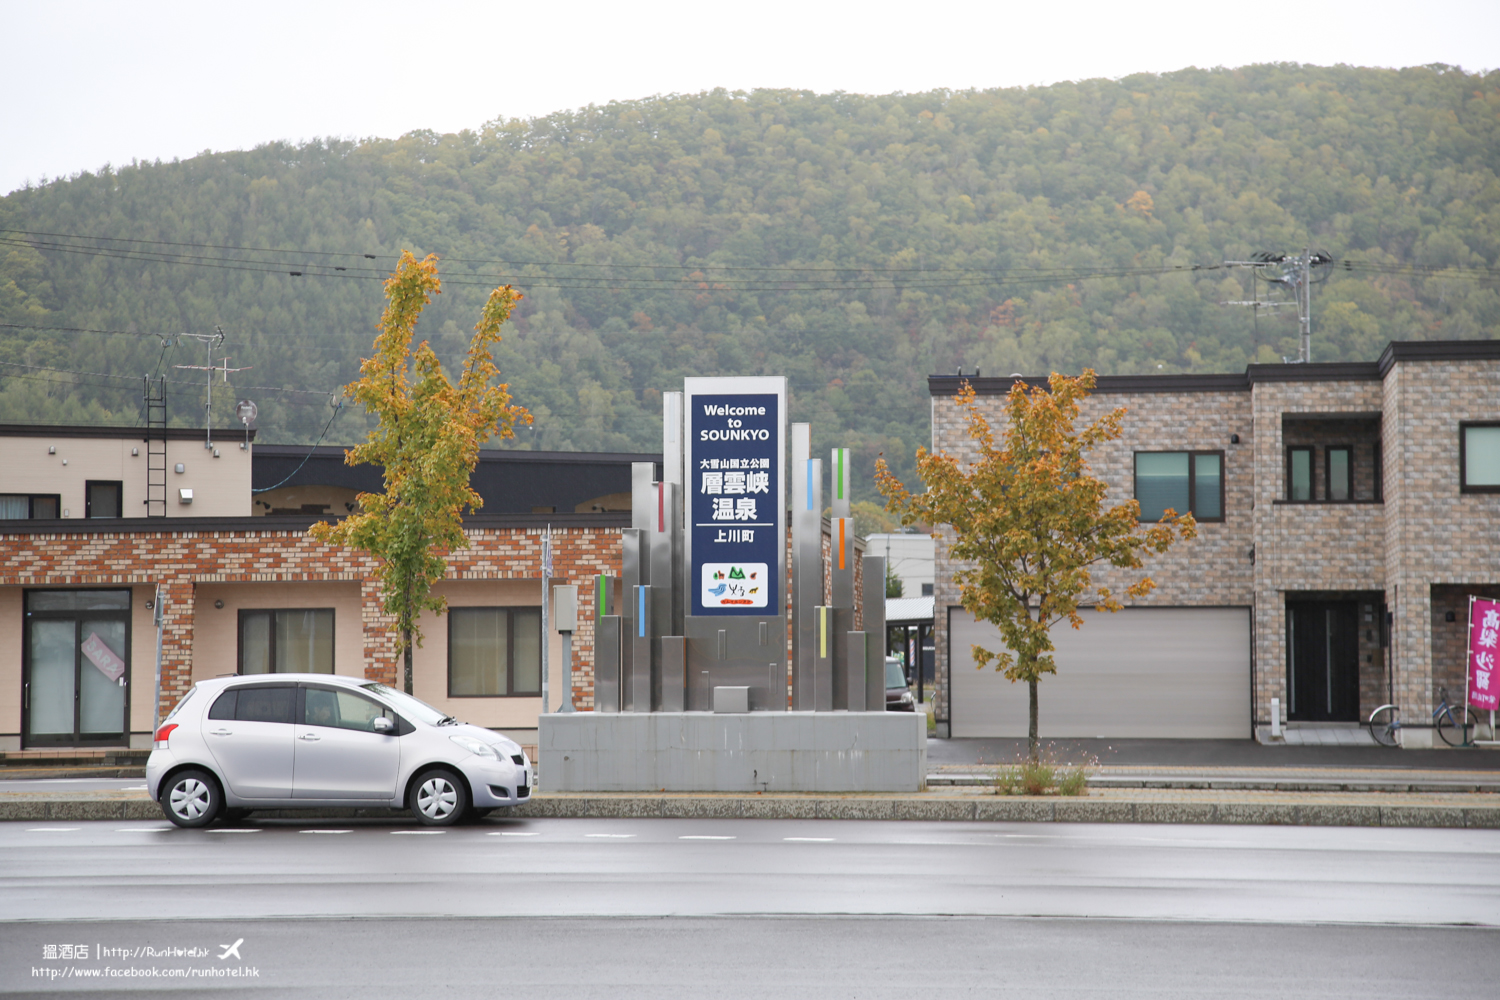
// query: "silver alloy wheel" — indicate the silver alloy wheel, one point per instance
point(437, 798)
point(190, 799)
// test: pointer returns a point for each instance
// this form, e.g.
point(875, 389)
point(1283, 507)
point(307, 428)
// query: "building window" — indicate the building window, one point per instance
point(494, 652)
point(1299, 475)
point(290, 641)
point(1339, 471)
point(28, 507)
point(1183, 481)
point(1479, 457)
point(101, 498)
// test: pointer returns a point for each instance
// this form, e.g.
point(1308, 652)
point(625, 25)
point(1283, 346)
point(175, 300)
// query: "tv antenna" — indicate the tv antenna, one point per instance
point(1296, 273)
point(210, 341)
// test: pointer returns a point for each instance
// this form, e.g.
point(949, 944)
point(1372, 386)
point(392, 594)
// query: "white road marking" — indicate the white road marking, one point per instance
point(133, 788)
point(417, 833)
point(513, 835)
point(325, 831)
point(232, 830)
point(611, 836)
point(702, 836)
point(54, 829)
point(810, 840)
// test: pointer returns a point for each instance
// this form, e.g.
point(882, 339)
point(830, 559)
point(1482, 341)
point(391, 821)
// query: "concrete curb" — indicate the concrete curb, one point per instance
point(1004, 810)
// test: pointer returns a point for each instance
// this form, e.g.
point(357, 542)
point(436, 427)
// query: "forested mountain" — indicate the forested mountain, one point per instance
point(853, 243)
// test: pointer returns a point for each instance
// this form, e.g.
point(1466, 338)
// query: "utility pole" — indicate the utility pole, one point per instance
point(1295, 274)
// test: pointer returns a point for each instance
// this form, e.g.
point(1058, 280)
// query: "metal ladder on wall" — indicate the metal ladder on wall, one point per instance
point(156, 447)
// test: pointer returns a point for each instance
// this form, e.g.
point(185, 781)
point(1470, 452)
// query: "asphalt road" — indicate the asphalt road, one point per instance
point(764, 908)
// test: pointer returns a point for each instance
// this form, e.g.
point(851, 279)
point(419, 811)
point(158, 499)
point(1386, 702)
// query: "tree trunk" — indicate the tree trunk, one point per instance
point(1032, 747)
point(406, 638)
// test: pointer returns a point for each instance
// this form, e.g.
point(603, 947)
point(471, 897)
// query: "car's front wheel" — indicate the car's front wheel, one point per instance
point(191, 799)
point(439, 798)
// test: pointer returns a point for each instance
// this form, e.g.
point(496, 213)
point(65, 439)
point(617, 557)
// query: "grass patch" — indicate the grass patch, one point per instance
point(1047, 775)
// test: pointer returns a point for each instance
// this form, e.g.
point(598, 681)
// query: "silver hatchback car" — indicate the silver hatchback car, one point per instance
point(295, 741)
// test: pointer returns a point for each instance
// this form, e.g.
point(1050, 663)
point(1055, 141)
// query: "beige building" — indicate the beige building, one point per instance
point(1346, 513)
point(110, 607)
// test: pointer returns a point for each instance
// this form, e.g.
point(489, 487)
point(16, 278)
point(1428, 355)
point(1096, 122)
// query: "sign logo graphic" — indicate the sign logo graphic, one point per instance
point(734, 585)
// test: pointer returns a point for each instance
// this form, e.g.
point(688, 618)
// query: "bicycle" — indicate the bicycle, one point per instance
point(1384, 724)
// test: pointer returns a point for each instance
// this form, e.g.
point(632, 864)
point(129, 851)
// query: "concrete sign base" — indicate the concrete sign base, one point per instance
point(751, 752)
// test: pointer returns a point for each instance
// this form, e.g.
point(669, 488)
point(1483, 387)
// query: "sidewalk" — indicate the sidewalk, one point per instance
point(1245, 753)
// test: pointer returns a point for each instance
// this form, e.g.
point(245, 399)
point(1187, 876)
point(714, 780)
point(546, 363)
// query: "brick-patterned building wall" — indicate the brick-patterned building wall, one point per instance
point(192, 554)
point(1305, 547)
point(1435, 534)
point(1215, 568)
point(1420, 541)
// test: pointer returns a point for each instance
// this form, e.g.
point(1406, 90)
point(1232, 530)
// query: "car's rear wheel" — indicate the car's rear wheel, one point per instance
point(191, 799)
point(439, 798)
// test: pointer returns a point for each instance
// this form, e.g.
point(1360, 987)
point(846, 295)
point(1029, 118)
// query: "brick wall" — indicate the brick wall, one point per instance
point(179, 560)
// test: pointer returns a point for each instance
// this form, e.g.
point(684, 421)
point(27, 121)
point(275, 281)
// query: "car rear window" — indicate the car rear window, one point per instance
point(223, 707)
point(265, 703)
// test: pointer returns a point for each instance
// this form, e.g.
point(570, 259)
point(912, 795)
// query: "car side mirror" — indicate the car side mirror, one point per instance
point(383, 725)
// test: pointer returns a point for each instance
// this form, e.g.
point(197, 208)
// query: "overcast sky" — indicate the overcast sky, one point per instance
point(97, 83)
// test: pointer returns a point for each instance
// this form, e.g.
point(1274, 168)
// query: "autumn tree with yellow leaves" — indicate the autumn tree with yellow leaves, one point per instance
point(1028, 523)
point(427, 438)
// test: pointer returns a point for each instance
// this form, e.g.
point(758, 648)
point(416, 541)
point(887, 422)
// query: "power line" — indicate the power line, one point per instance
point(170, 381)
point(920, 277)
point(515, 262)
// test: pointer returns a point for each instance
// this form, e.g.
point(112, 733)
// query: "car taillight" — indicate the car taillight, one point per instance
point(165, 731)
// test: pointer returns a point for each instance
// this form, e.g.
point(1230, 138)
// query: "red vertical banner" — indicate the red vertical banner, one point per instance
point(1484, 647)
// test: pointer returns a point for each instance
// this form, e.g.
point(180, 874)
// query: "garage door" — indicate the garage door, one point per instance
point(1141, 672)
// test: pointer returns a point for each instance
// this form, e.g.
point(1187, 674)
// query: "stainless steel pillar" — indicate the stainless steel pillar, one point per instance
point(841, 599)
point(856, 652)
point(664, 544)
point(674, 473)
point(641, 641)
point(822, 675)
point(642, 482)
point(607, 664)
point(874, 626)
point(673, 673)
point(807, 561)
point(633, 576)
point(842, 478)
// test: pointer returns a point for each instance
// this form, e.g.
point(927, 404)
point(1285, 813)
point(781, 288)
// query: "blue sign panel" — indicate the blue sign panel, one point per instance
point(733, 488)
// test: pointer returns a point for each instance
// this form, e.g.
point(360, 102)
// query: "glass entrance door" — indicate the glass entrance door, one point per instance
point(76, 675)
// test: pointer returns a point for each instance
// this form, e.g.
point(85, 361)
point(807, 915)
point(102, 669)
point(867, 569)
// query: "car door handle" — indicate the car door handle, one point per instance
point(311, 736)
point(221, 732)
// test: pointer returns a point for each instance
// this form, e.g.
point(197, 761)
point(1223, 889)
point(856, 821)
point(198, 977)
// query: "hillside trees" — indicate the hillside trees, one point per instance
point(913, 233)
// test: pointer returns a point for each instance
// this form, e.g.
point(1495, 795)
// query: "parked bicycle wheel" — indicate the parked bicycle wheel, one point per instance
point(1383, 725)
point(1451, 728)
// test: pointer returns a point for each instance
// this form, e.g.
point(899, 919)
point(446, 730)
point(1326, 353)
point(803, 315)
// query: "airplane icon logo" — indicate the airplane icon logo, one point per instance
point(232, 949)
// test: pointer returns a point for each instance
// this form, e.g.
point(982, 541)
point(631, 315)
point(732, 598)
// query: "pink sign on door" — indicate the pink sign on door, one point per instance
point(101, 656)
point(1484, 647)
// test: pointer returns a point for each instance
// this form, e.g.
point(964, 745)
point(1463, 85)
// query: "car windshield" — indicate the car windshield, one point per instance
point(405, 703)
point(895, 677)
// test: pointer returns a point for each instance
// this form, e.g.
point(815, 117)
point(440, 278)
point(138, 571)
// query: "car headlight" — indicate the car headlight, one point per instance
point(478, 748)
point(906, 696)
